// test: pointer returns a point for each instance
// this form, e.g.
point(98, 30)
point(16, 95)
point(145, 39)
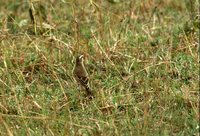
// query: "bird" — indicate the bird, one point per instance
point(81, 75)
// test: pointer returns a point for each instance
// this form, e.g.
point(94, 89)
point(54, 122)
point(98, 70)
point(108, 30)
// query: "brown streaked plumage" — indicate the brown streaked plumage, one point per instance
point(81, 74)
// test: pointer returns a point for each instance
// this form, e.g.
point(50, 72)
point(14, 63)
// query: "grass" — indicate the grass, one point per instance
point(142, 58)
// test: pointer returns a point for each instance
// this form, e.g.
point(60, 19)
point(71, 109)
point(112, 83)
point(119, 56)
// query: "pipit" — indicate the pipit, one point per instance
point(81, 75)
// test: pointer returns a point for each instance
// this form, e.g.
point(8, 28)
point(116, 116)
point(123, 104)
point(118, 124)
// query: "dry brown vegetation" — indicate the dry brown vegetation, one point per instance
point(142, 57)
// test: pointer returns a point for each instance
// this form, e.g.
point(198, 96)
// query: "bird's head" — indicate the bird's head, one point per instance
point(80, 59)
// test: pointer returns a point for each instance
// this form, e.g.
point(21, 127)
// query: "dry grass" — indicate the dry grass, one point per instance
point(142, 57)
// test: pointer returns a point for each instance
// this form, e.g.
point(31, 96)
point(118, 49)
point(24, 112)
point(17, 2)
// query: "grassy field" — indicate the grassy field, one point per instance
point(141, 55)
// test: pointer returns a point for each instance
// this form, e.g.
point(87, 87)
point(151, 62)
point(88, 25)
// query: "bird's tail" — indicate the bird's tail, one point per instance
point(89, 91)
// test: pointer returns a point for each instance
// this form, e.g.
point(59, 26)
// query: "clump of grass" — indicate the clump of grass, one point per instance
point(142, 58)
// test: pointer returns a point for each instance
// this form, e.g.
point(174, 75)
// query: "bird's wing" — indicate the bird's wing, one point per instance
point(83, 80)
